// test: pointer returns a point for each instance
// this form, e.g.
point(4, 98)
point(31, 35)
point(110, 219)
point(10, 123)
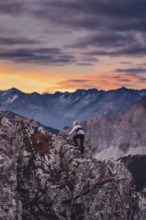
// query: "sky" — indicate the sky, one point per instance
point(65, 45)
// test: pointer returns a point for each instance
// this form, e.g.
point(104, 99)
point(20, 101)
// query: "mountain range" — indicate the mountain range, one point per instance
point(61, 109)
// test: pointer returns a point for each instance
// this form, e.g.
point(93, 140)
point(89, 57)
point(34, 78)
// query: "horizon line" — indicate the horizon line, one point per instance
point(45, 93)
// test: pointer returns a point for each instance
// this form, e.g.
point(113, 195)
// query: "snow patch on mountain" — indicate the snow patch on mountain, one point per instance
point(4, 93)
point(116, 153)
point(12, 99)
point(142, 93)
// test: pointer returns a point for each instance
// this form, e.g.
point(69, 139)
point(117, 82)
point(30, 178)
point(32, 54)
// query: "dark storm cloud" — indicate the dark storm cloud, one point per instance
point(93, 14)
point(138, 76)
point(85, 64)
point(80, 80)
point(109, 25)
point(130, 50)
point(137, 73)
point(83, 13)
point(77, 83)
point(15, 41)
point(105, 40)
point(86, 61)
point(101, 53)
point(125, 63)
point(137, 50)
point(118, 77)
point(131, 70)
point(47, 56)
point(12, 7)
point(122, 14)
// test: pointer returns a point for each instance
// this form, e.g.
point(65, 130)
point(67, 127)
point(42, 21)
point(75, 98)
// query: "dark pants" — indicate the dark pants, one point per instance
point(81, 137)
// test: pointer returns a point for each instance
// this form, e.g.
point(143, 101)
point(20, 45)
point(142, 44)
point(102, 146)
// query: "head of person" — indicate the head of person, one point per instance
point(75, 123)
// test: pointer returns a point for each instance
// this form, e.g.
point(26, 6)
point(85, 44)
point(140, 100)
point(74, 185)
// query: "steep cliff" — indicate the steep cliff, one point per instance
point(117, 135)
point(136, 164)
point(43, 177)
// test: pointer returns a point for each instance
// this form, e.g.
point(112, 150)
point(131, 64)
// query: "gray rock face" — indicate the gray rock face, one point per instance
point(10, 147)
point(43, 177)
point(117, 135)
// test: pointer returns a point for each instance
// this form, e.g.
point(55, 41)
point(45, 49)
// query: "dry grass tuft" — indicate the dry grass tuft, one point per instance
point(42, 143)
point(107, 180)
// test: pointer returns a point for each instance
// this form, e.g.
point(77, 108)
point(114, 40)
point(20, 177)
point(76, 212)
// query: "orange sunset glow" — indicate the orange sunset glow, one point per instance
point(41, 80)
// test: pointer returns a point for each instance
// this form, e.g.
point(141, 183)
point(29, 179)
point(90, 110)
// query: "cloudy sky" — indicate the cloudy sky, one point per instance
point(51, 45)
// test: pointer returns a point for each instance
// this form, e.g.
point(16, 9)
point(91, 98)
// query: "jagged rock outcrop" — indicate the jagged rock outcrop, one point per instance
point(11, 143)
point(43, 177)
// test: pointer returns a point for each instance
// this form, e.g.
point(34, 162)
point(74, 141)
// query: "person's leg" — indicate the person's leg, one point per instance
point(75, 140)
point(82, 142)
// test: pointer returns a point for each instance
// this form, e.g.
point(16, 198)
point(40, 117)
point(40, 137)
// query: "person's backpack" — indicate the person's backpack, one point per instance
point(79, 128)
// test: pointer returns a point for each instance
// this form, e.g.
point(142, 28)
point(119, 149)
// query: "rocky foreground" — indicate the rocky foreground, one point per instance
point(43, 177)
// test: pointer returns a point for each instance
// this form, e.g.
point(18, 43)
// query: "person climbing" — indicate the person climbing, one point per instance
point(79, 134)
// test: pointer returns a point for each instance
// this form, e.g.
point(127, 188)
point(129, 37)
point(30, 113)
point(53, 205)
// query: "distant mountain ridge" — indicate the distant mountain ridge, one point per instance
point(61, 109)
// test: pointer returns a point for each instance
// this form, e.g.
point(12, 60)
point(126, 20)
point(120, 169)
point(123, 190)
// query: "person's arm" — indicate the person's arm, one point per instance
point(72, 131)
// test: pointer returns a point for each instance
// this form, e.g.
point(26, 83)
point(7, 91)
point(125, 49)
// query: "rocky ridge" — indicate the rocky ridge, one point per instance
point(44, 177)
